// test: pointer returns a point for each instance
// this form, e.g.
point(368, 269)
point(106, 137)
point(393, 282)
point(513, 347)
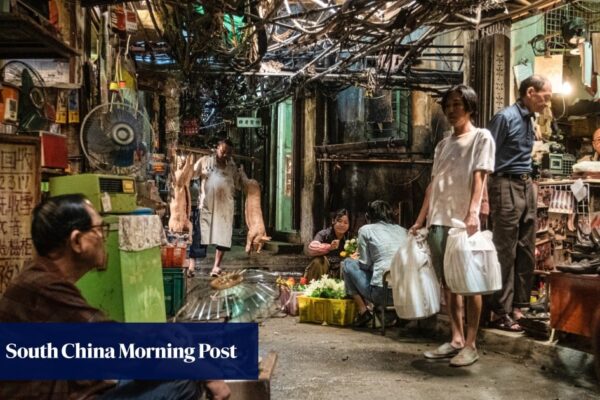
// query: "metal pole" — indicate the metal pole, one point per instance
point(373, 160)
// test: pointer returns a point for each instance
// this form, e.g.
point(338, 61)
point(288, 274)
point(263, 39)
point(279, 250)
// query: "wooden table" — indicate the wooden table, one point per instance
point(574, 300)
point(255, 390)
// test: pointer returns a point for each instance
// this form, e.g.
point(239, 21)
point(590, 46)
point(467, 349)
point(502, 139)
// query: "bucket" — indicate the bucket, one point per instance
point(9, 102)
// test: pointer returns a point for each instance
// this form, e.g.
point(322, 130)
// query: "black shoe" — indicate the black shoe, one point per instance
point(363, 319)
point(582, 267)
point(390, 318)
point(578, 256)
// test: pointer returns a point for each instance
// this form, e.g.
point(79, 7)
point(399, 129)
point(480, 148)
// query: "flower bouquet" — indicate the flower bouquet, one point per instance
point(350, 247)
point(326, 288)
point(292, 284)
point(323, 302)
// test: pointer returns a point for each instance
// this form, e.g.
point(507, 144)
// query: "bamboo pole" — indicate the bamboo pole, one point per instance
point(373, 161)
point(205, 152)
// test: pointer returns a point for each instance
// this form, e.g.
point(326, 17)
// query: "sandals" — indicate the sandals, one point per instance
point(506, 323)
point(216, 272)
point(190, 273)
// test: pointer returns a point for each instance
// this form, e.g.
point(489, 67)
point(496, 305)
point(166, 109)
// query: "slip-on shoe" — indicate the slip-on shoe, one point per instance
point(444, 351)
point(465, 357)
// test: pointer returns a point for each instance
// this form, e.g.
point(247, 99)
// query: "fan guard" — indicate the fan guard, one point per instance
point(35, 111)
point(237, 296)
point(116, 139)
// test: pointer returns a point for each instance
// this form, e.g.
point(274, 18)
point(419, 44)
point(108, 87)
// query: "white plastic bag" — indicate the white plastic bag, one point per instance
point(471, 263)
point(415, 288)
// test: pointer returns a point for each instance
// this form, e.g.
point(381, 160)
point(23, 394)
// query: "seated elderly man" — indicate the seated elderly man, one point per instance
point(378, 241)
point(595, 156)
point(68, 235)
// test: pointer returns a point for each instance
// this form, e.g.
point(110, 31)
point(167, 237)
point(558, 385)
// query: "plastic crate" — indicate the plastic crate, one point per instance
point(172, 256)
point(174, 281)
point(332, 311)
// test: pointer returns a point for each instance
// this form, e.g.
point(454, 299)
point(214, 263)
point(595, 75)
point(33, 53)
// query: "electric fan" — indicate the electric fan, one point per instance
point(116, 139)
point(35, 110)
point(239, 296)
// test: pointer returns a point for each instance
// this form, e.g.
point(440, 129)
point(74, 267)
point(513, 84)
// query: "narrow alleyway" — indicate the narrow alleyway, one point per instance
point(325, 362)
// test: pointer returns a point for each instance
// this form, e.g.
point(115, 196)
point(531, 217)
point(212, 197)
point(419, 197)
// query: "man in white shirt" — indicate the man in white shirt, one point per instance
point(219, 179)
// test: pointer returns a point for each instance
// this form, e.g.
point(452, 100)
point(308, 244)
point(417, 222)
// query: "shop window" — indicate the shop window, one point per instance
point(401, 104)
point(389, 114)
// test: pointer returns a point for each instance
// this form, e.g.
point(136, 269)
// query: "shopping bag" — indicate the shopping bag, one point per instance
point(471, 263)
point(415, 287)
point(289, 300)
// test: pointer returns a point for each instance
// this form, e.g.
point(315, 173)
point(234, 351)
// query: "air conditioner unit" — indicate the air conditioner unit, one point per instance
point(108, 193)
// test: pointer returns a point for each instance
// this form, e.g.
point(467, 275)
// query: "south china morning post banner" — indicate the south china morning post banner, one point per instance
point(149, 351)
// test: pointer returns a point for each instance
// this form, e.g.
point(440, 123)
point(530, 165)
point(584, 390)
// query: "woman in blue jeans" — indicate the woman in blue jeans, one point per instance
point(378, 241)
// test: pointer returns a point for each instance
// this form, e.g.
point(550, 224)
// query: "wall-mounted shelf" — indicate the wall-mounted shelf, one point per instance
point(22, 37)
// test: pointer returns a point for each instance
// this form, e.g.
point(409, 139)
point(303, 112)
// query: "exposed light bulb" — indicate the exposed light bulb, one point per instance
point(566, 89)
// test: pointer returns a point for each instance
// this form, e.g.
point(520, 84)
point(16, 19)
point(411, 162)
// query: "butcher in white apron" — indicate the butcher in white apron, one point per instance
point(219, 178)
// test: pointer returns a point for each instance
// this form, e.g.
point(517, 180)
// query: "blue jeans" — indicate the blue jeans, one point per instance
point(154, 390)
point(357, 279)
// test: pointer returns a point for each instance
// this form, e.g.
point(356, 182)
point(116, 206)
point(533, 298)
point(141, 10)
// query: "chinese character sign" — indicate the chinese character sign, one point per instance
point(19, 193)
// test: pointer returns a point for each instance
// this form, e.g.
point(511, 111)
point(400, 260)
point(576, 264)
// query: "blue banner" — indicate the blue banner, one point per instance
point(198, 351)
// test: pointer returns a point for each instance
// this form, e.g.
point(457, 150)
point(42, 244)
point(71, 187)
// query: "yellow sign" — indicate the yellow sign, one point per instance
point(128, 187)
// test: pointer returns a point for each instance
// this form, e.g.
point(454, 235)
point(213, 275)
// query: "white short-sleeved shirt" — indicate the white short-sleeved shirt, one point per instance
point(454, 161)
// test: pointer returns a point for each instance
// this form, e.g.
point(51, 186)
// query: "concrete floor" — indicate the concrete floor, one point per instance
point(327, 362)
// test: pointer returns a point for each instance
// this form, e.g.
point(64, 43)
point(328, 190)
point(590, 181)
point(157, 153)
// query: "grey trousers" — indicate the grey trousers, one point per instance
point(513, 216)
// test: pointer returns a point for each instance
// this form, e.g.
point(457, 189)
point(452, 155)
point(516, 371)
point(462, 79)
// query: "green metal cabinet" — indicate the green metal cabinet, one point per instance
point(131, 288)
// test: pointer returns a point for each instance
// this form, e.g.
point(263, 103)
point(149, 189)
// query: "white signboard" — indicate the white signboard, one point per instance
point(248, 122)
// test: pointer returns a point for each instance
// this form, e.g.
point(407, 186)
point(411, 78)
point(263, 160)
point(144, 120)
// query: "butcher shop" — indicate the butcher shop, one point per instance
point(384, 195)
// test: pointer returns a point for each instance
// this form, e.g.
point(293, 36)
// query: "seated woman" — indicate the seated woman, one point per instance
point(326, 247)
point(378, 241)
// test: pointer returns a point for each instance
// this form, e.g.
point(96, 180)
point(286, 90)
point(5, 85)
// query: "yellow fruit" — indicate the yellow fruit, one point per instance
point(343, 254)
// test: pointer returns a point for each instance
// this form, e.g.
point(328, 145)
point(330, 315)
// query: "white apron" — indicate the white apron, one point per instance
point(216, 201)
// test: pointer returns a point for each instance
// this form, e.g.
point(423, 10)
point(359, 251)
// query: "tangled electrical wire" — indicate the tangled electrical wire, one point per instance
point(301, 43)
